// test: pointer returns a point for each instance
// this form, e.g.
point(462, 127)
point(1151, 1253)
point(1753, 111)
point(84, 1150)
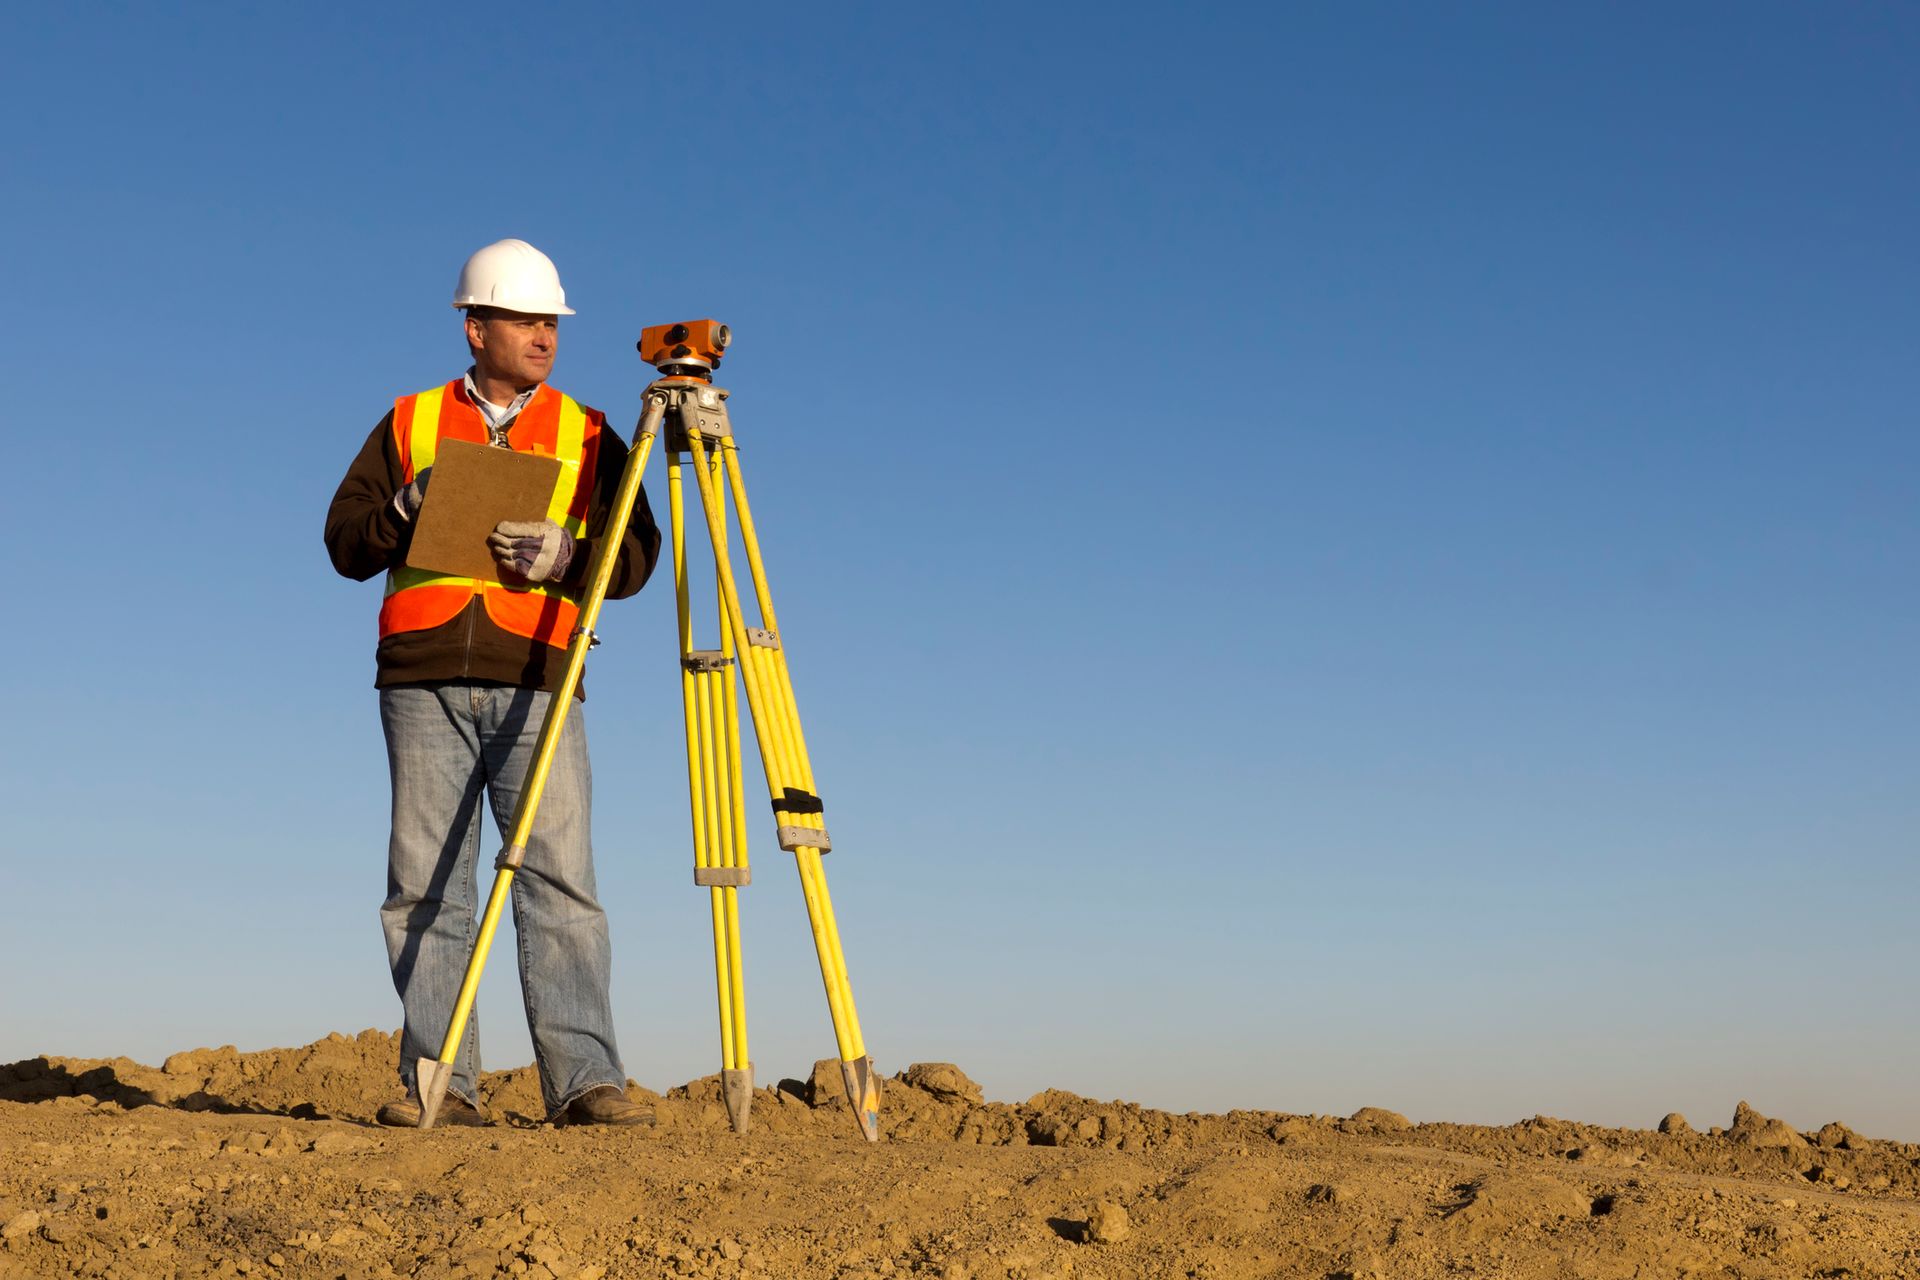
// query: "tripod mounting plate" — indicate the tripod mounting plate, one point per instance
point(692, 406)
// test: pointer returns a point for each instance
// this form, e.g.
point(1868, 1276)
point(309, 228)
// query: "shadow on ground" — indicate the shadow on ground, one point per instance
point(41, 1080)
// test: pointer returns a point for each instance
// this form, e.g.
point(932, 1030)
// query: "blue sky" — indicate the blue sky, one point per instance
point(1331, 555)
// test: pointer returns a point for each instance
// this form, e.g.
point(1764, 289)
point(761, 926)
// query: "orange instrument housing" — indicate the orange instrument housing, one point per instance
point(701, 341)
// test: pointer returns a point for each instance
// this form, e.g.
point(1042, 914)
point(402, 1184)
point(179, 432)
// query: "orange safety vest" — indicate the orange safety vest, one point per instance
point(552, 424)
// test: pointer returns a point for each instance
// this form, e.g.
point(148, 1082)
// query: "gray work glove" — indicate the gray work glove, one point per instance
point(537, 550)
point(406, 503)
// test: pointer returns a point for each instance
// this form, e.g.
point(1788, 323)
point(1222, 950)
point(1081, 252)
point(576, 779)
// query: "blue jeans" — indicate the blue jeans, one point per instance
point(445, 745)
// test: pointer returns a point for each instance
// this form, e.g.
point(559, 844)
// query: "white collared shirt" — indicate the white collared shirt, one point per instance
point(498, 419)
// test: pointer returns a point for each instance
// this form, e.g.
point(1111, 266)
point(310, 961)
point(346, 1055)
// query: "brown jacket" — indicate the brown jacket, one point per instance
point(365, 536)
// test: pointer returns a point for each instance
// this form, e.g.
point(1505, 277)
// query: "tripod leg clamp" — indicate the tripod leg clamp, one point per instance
point(794, 800)
point(510, 858)
point(793, 838)
point(722, 877)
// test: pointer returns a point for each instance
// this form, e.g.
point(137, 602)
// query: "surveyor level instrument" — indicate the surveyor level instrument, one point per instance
point(699, 438)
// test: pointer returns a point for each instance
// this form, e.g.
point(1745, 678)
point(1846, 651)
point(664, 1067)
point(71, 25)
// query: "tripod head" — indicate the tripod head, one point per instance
point(689, 349)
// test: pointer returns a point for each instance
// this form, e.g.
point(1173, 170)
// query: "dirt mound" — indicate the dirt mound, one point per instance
point(347, 1077)
point(266, 1165)
point(344, 1076)
point(1756, 1130)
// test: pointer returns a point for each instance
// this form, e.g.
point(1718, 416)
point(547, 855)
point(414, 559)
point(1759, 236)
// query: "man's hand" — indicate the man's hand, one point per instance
point(537, 550)
point(406, 503)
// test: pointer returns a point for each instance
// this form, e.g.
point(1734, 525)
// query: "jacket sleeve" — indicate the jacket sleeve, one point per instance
point(639, 548)
point(365, 535)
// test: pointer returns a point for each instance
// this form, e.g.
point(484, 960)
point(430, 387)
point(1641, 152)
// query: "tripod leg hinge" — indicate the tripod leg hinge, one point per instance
point(510, 858)
point(795, 838)
point(722, 877)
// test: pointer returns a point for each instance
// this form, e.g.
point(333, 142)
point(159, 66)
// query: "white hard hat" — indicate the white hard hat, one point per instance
point(514, 276)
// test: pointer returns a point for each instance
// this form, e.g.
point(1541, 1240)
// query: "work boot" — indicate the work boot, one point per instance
point(608, 1104)
point(404, 1113)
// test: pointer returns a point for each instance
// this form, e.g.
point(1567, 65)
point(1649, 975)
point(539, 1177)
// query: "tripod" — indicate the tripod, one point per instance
point(694, 412)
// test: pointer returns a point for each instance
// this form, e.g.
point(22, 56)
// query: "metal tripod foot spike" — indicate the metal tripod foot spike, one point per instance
point(737, 1088)
point(431, 1078)
point(863, 1093)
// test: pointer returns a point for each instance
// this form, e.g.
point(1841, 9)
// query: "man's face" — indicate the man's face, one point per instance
point(514, 346)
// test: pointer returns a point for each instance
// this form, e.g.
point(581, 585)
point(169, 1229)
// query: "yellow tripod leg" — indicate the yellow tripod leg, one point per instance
point(735, 821)
point(855, 1066)
point(719, 842)
point(431, 1074)
point(736, 1072)
point(729, 814)
point(783, 754)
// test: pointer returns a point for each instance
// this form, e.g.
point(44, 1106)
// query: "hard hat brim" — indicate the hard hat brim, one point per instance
point(461, 304)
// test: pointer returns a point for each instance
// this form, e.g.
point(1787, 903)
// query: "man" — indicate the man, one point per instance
point(466, 670)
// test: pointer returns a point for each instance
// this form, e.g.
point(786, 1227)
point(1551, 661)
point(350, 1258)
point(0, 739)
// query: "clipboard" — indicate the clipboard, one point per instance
point(473, 488)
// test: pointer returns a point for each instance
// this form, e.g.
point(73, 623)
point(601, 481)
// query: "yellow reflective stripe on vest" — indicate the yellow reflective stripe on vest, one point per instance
point(404, 576)
point(568, 445)
point(423, 445)
point(425, 442)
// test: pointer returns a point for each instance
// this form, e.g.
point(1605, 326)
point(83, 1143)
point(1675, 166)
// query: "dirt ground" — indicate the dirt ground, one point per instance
point(268, 1165)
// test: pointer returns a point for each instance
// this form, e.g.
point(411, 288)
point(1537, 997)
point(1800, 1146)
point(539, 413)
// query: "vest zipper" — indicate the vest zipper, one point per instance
point(466, 652)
